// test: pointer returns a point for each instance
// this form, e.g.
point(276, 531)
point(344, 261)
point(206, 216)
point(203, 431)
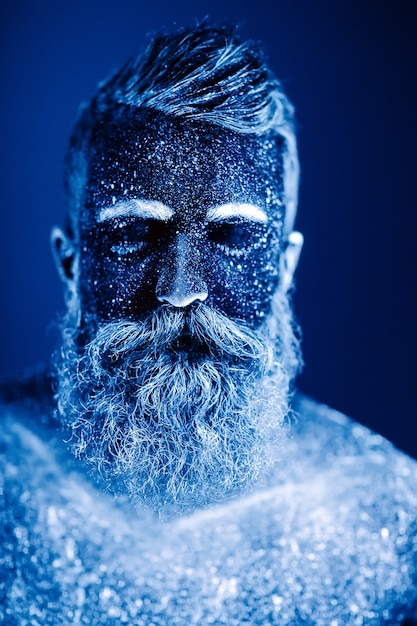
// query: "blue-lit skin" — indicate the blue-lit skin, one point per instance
point(130, 264)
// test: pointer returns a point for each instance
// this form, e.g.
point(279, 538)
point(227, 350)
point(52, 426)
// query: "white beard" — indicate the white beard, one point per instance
point(175, 420)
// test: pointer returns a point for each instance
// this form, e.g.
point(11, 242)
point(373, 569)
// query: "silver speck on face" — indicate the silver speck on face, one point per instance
point(178, 211)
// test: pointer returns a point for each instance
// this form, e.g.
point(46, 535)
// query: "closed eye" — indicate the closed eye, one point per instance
point(236, 235)
point(133, 237)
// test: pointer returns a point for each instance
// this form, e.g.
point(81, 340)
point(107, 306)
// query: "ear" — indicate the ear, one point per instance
point(289, 259)
point(65, 256)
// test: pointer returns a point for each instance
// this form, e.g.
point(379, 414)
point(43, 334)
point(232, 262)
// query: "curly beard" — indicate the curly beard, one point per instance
point(181, 410)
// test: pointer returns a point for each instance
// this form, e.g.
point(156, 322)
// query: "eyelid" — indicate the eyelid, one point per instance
point(235, 235)
point(135, 236)
point(234, 220)
point(124, 221)
point(127, 247)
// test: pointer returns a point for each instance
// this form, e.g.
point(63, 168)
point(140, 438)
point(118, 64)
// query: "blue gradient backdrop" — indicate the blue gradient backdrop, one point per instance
point(350, 69)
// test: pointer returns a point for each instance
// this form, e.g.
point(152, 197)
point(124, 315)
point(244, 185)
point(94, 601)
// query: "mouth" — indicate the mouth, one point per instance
point(188, 344)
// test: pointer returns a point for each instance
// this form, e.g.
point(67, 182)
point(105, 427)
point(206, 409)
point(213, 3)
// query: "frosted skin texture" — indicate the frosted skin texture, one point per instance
point(128, 263)
point(330, 541)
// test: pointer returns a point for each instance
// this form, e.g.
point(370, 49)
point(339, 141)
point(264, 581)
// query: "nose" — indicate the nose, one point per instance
point(180, 280)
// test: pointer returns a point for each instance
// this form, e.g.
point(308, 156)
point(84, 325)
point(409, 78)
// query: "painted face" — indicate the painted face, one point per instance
point(180, 212)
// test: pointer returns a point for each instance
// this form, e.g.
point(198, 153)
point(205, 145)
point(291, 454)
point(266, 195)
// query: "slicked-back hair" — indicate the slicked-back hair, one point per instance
point(203, 73)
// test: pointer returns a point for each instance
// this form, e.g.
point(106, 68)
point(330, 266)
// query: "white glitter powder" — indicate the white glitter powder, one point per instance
point(331, 540)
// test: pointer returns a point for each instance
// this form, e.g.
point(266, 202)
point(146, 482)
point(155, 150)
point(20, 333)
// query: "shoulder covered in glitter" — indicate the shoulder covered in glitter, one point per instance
point(330, 541)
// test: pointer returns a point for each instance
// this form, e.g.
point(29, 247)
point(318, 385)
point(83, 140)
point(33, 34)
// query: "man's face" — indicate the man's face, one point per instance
point(180, 212)
point(179, 395)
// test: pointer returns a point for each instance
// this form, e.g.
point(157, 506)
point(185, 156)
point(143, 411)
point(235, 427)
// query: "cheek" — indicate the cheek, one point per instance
point(111, 290)
point(243, 288)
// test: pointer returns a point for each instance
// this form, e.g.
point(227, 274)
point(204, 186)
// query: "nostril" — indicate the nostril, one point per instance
point(179, 298)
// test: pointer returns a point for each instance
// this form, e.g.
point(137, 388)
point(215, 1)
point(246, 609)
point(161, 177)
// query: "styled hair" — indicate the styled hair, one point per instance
point(203, 73)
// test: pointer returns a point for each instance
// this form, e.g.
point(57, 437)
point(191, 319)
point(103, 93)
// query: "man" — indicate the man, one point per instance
point(173, 385)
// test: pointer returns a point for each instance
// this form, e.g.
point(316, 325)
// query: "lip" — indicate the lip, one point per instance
point(187, 343)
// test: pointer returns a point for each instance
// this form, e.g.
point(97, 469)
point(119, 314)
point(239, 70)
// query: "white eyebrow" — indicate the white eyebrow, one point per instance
point(145, 209)
point(248, 211)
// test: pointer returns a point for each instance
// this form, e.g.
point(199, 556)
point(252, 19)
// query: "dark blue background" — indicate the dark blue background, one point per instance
point(350, 69)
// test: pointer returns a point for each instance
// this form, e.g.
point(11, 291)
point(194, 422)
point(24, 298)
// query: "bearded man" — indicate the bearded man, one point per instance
point(170, 477)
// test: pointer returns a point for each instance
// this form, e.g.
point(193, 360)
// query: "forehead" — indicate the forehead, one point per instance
point(186, 165)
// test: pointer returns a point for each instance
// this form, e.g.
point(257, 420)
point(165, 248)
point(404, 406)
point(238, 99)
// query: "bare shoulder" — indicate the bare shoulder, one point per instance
point(332, 539)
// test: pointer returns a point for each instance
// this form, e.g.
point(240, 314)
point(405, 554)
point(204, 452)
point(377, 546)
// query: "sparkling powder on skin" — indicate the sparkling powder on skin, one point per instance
point(190, 168)
point(331, 541)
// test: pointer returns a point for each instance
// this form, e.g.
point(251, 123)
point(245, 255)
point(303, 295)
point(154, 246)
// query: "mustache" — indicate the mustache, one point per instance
point(198, 332)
